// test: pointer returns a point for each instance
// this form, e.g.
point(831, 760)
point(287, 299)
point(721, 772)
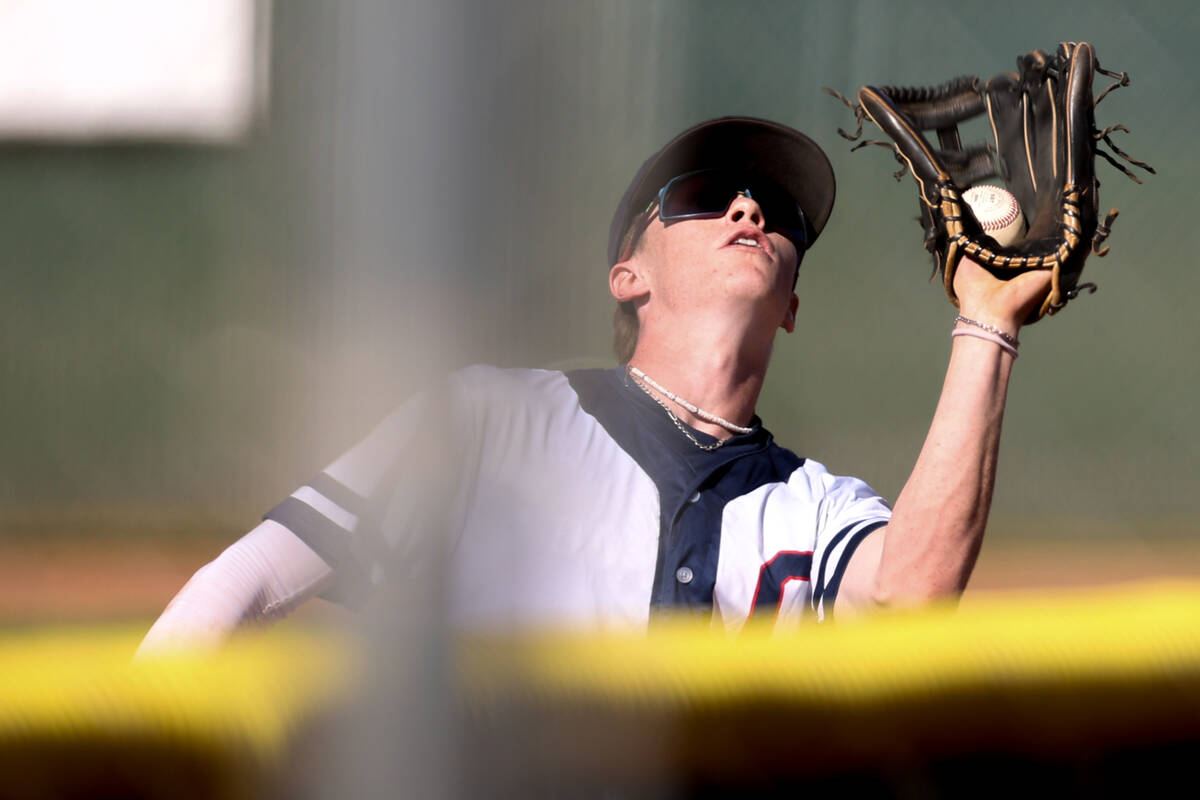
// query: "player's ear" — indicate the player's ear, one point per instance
point(625, 282)
point(789, 319)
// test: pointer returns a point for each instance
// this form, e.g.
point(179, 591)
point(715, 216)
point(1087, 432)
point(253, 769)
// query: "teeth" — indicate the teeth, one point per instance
point(745, 240)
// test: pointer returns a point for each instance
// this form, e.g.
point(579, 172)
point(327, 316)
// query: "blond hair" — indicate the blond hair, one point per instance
point(625, 331)
point(625, 320)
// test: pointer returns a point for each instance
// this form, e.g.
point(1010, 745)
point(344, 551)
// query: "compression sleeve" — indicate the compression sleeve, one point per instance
point(394, 500)
point(263, 575)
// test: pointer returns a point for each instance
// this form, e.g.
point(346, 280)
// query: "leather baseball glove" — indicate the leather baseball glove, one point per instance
point(1043, 150)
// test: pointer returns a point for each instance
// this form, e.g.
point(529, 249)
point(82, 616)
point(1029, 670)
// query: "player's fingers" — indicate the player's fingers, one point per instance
point(1006, 303)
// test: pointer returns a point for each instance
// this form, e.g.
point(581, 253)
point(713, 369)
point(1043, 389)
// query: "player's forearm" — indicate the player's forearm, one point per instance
point(939, 519)
point(263, 575)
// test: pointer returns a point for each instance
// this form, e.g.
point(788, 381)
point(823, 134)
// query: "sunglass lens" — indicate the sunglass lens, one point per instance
point(708, 193)
point(782, 212)
point(697, 194)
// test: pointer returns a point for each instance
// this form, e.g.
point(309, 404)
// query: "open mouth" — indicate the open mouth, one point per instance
point(749, 237)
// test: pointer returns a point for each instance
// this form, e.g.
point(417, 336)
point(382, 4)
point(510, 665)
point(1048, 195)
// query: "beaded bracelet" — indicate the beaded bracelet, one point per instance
point(990, 337)
point(990, 329)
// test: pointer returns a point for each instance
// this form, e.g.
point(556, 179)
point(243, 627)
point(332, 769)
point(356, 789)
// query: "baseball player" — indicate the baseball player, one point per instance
point(609, 497)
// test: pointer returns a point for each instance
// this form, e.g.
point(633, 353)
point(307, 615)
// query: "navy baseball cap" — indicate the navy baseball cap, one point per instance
point(783, 154)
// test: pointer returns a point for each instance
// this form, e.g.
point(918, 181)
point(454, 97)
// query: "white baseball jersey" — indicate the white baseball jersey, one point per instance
point(576, 501)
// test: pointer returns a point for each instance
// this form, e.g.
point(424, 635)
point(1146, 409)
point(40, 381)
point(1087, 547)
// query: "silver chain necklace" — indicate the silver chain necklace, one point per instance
point(645, 382)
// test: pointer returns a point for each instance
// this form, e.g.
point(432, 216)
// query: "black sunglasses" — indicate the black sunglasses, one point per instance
point(708, 193)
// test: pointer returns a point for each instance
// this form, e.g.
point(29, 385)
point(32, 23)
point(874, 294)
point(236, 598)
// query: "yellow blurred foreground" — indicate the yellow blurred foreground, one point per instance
point(79, 720)
point(1095, 691)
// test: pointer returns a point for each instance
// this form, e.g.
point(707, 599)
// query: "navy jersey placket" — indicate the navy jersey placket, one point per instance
point(693, 484)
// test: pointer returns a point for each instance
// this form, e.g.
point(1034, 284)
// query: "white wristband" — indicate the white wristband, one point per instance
point(990, 337)
point(1008, 337)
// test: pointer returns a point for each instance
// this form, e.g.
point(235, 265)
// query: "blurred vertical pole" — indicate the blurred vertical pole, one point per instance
point(386, 236)
point(472, 148)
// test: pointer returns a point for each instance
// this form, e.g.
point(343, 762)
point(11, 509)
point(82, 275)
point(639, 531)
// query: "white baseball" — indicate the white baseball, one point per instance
point(997, 211)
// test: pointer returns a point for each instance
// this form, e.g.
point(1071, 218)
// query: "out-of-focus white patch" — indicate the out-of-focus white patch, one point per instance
point(132, 69)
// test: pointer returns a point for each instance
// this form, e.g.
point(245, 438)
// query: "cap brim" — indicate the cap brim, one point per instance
point(783, 154)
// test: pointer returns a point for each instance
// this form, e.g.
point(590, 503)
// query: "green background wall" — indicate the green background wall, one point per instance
point(186, 333)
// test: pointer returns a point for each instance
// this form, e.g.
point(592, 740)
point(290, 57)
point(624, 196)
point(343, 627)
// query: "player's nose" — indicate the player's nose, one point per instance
point(744, 210)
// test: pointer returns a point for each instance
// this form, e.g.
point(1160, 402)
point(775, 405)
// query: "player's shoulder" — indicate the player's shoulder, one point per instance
point(486, 391)
point(491, 380)
point(818, 480)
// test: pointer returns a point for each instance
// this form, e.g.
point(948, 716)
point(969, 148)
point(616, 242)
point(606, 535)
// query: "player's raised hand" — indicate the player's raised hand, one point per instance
point(1007, 304)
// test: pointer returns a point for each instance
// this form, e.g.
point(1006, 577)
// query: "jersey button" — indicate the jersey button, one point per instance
point(694, 498)
point(683, 575)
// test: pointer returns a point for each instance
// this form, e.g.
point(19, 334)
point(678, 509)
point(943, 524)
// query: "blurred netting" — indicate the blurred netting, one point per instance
point(188, 333)
point(1071, 692)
